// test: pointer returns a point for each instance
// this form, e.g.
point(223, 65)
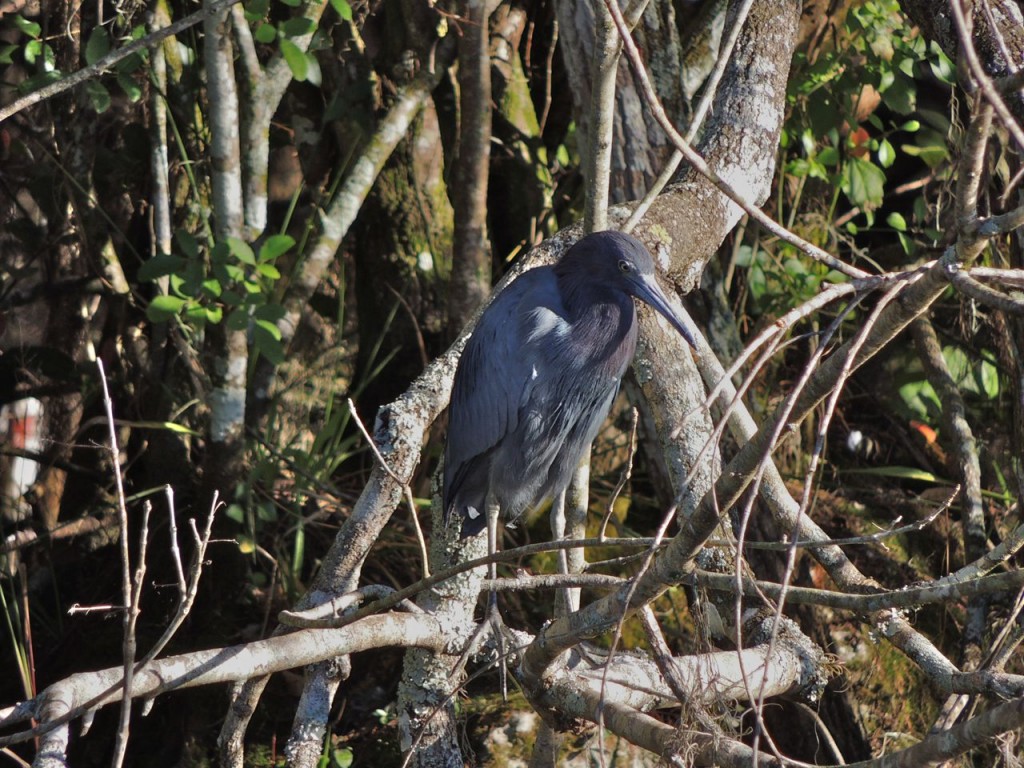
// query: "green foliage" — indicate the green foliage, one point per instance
point(778, 280)
point(300, 59)
point(230, 283)
point(342, 8)
point(39, 55)
point(841, 139)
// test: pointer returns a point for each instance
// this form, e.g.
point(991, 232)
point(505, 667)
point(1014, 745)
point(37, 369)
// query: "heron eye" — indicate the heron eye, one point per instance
point(625, 266)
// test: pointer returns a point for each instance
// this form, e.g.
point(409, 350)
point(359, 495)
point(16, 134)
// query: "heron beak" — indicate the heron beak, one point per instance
point(648, 291)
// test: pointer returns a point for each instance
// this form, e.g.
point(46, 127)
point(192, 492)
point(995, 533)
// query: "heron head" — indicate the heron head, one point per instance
point(622, 261)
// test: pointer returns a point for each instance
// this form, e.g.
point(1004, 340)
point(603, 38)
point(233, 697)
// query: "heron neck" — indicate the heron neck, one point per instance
point(582, 295)
point(602, 319)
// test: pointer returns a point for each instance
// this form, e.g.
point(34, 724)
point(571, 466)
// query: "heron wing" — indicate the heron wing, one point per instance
point(493, 378)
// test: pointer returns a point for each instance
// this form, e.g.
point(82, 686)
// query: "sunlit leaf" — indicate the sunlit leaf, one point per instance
point(902, 473)
point(313, 74)
point(296, 58)
point(163, 308)
point(886, 153)
point(863, 182)
point(241, 250)
point(934, 154)
point(896, 221)
point(30, 28)
point(265, 33)
point(275, 246)
point(269, 271)
point(342, 8)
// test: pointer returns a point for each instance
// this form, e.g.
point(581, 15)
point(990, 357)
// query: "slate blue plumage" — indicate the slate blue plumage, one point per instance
point(538, 376)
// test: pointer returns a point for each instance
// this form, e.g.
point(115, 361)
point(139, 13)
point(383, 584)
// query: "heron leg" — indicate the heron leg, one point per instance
point(493, 615)
point(563, 597)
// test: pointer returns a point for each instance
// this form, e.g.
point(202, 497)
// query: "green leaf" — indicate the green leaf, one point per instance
point(265, 33)
point(269, 271)
point(236, 513)
point(30, 28)
point(197, 313)
point(130, 87)
point(241, 250)
point(343, 757)
point(98, 95)
point(920, 398)
point(98, 45)
point(911, 126)
point(269, 312)
point(896, 221)
point(987, 376)
point(160, 265)
point(163, 308)
point(238, 320)
point(902, 473)
point(905, 243)
point(296, 58)
point(933, 155)
point(275, 246)
point(187, 244)
point(212, 288)
point(168, 426)
point(257, 9)
point(313, 74)
point(886, 154)
point(131, 63)
point(901, 96)
point(829, 156)
point(744, 256)
point(342, 8)
point(863, 182)
point(292, 3)
point(272, 330)
point(32, 50)
point(943, 69)
point(298, 26)
point(266, 512)
point(267, 345)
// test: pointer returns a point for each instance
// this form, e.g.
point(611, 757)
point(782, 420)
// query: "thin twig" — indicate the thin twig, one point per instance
point(627, 473)
point(407, 491)
point(128, 643)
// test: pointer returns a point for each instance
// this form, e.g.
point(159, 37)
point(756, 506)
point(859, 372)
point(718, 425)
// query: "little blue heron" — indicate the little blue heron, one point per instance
point(538, 376)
